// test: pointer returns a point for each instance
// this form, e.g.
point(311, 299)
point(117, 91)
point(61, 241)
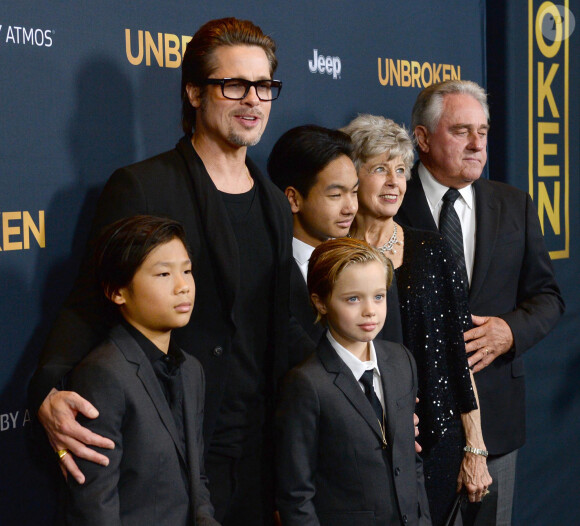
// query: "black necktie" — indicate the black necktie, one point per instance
point(450, 228)
point(367, 380)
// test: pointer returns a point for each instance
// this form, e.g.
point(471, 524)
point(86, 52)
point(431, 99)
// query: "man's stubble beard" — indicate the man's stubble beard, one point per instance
point(239, 140)
point(233, 137)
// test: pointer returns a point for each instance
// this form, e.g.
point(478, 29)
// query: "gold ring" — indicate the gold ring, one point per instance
point(62, 453)
point(486, 351)
point(486, 492)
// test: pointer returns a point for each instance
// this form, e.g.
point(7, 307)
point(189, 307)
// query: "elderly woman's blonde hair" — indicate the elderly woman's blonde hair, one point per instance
point(374, 135)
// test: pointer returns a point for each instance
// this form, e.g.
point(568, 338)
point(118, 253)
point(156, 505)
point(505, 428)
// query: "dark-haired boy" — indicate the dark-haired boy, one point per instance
point(149, 393)
point(312, 166)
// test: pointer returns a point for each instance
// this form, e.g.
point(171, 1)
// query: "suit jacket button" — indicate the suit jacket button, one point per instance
point(218, 350)
point(405, 520)
point(397, 471)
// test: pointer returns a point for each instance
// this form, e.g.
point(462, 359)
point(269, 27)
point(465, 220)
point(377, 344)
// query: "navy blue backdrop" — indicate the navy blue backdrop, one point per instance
point(86, 87)
point(519, 35)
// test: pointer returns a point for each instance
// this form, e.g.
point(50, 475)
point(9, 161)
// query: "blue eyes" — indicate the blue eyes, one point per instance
point(354, 299)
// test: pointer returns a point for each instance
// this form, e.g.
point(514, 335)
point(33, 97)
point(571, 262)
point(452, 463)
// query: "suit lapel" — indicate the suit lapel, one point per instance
point(415, 211)
point(487, 229)
point(299, 289)
point(346, 382)
point(276, 210)
point(212, 214)
point(300, 306)
point(189, 413)
point(388, 377)
point(133, 354)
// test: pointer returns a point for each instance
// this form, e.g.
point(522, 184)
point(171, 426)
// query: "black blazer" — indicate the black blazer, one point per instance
point(332, 468)
point(513, 279)
point(300, 307)
point(142, 483)
point(176, 184)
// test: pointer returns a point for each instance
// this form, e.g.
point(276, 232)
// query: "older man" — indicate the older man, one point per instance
point(495, 235)
point(239, 230)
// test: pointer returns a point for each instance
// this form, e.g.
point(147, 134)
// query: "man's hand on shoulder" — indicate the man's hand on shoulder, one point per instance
point(58, 415)
point(491, 337)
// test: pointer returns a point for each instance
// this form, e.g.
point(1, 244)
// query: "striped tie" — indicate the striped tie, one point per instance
point(450, 229)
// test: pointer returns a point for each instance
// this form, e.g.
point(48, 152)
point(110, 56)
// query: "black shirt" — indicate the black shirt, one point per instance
point(243, 408)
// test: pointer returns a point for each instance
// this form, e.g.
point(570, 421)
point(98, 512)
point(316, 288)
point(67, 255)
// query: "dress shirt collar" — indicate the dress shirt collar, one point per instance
point(302, 252)
point(434, 190)
point(352, 362)
point(174, 357)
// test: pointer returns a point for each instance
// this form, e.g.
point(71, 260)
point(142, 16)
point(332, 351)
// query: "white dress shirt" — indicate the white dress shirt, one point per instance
point(464, 206)
point(358, 368)
point(302, 252)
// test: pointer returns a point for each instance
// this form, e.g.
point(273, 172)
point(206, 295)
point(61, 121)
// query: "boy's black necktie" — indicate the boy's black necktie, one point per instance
point(367, 380)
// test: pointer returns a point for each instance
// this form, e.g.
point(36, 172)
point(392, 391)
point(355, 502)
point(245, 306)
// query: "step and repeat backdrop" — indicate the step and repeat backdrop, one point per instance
point(533, 73)
point(87, 87)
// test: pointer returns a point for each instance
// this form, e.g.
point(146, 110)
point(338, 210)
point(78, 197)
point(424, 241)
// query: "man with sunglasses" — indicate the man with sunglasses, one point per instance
point(239, 231)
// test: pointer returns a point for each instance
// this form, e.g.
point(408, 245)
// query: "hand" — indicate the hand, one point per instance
point(474, 476)
point(58, 414)
point(418, 448)
point(491, 337)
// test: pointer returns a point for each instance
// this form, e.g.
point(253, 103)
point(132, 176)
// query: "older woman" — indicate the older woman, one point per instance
point(433, 311)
